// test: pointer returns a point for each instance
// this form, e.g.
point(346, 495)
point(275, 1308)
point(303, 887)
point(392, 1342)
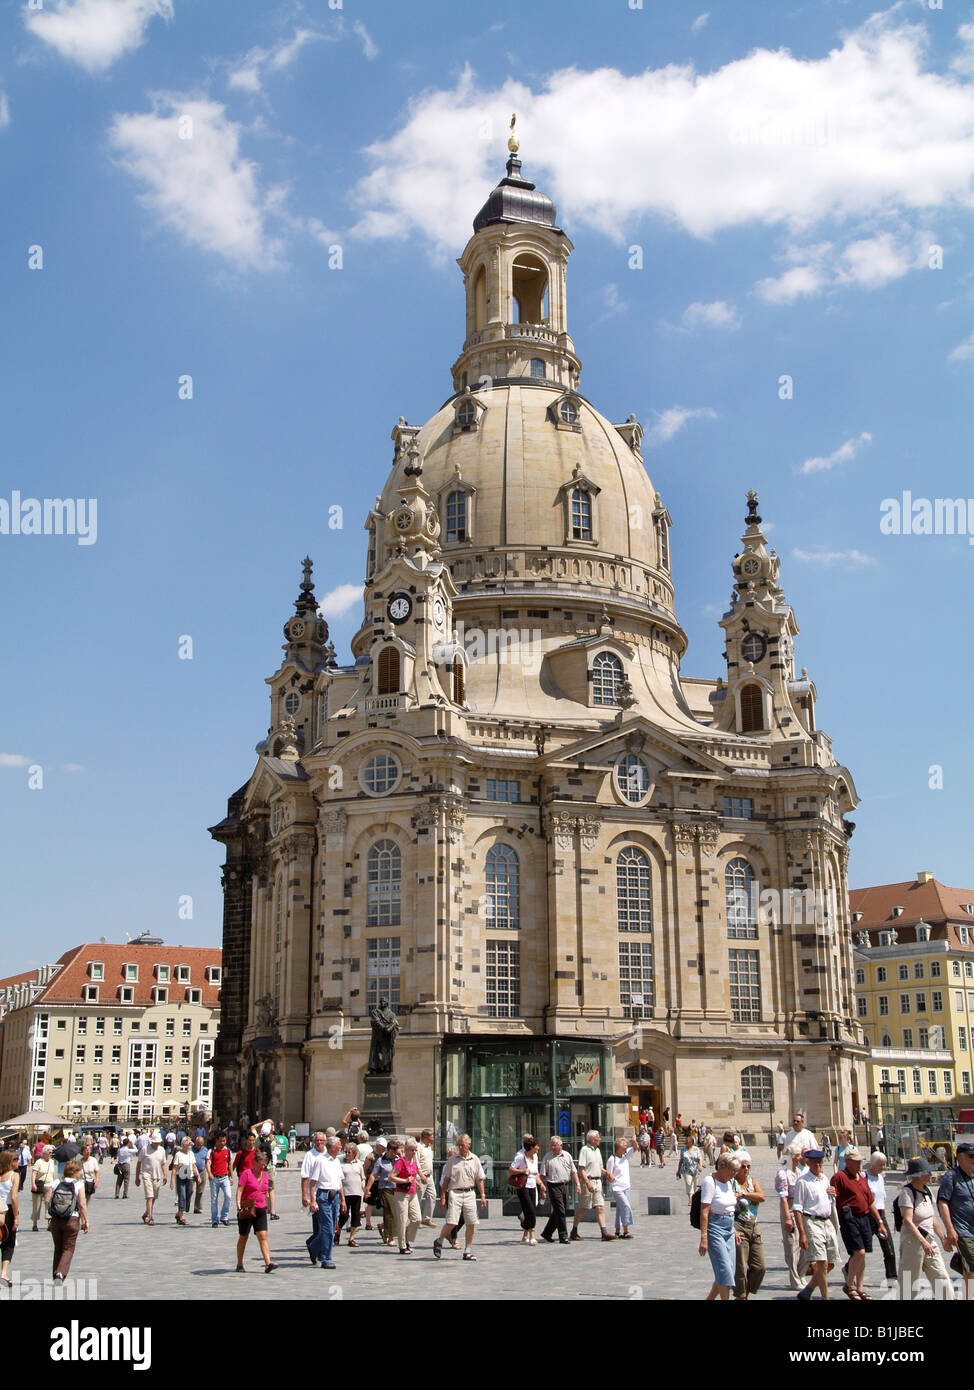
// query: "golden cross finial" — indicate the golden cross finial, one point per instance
point(512, 143)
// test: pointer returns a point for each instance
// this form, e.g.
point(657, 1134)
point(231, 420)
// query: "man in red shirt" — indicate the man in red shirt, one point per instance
point(218, 1172)
point(854, 1200)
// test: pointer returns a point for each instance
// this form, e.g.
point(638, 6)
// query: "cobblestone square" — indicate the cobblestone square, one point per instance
point(131, 1261)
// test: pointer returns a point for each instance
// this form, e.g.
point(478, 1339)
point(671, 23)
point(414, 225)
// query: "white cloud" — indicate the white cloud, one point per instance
point(72, 767)
point(964, 351)
point(14, 760)
point(340, 601)
point(865, 132)
point(201, 187)
point(855, 558)
point(94, 33)
point(801, 282)
point(669, 422)
point(719, 314)
point(843, 454)
point(247, 77)
point(700, 22)
point(368, 46)
point(4, 110)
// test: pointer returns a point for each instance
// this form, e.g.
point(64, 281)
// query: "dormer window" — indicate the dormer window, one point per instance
point(923, 932)
point(468, 410)
point(885, 938)
point(456, 516)
point(968, 908)
point(897, 912)
point(194, 996)
point(125, 994)
point(160, 994)
point(182, 974)
point(162, 974)
point(130, 972)
point(89, 994)
point(568, 413)
point(607, 675)
point(96, 969)
point(213, 974)
point(565, 412)
point(581, 514)
point(539, 369)
point(857, 916)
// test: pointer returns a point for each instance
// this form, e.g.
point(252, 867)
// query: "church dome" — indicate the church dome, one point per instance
point(515, 199)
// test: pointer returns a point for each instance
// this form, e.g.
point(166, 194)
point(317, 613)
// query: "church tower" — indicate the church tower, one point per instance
point(571, 867)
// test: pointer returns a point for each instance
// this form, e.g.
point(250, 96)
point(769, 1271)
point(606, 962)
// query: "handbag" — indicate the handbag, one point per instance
point(247, 1207)
point(517, 1180)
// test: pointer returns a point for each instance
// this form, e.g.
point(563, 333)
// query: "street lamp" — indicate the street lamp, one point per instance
point(890, 1089)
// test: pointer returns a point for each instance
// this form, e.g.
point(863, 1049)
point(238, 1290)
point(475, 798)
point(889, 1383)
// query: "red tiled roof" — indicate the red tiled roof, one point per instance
point(28, 977)
point(65, 988)
point(932, 901)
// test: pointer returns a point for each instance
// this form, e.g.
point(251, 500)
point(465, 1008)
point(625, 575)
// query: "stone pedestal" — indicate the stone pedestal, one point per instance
point(380, 1104)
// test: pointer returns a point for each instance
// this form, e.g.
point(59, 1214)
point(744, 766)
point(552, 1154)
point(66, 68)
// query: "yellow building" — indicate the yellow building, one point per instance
point(512, 813)
point(112, 1033)
point(914, 960)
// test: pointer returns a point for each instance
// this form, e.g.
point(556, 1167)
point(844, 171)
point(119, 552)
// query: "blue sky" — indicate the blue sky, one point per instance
point(785, 172)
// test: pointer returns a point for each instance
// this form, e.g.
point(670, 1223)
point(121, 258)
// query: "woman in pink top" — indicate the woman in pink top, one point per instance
point(252, 1210)
point(408, 1213)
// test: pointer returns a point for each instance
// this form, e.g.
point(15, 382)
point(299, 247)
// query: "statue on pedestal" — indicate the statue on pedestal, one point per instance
point(385, 1026)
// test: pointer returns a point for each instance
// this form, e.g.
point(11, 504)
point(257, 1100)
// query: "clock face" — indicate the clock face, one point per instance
point(399, 607)
point(439, 612)
point(753, 647)
point(296, 628)
point(751, 565)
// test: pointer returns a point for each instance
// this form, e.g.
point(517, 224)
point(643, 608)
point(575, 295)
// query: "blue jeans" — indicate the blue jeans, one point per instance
point(219, 1186)
point(184, 1193)
point(323, 1239)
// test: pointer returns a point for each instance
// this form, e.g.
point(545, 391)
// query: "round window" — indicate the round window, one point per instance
point(632, 777)
point(568, 412)
point(292, 703)
point(380, 774)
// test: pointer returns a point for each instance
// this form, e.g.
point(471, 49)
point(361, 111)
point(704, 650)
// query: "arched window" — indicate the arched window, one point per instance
point(456, 517)
point(663, 544)
point(388, 674)
point(529, 289)
point(887, 1040)
point(633, 900)
point(458, 691)
point(503, 887)
point(606, 677)
point(757, 1089)
point(538, 368)
point(752, 710)
point(384, 884)
point(581, 513)
point(742, 920)
point(467, 415)
point(480, 298)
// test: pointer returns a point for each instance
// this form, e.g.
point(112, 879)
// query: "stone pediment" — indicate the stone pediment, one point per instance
point(637, 735)
point(270, 777)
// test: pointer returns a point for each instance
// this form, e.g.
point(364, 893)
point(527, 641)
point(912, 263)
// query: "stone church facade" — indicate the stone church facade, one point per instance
point(572, 870)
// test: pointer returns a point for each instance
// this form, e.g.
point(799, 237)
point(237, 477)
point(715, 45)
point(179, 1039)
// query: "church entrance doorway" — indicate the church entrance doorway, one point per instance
point(643, 1083)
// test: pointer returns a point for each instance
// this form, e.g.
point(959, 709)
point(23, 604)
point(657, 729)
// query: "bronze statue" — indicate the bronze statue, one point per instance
point(385, 1026)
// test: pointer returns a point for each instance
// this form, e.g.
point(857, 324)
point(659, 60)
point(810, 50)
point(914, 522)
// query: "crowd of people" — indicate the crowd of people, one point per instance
point(817, 1211)
point(353, 1182)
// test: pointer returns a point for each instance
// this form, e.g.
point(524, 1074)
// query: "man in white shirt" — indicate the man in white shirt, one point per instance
point(590, 1169)
point(812, 1210)
point(799, 1135)
point(321, 1190)
point(425, 1186)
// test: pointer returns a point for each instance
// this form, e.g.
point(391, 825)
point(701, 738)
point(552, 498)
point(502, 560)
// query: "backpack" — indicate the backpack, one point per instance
point(695, 1210)
point(63, 1199)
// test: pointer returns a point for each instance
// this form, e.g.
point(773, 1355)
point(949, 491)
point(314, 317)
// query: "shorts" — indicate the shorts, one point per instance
point(256, 1223)
point(587, 1200)
point(461, 1202)
point(965, 1252)
point(856, 1231)
point(150, 1188)
point(821, 1240)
